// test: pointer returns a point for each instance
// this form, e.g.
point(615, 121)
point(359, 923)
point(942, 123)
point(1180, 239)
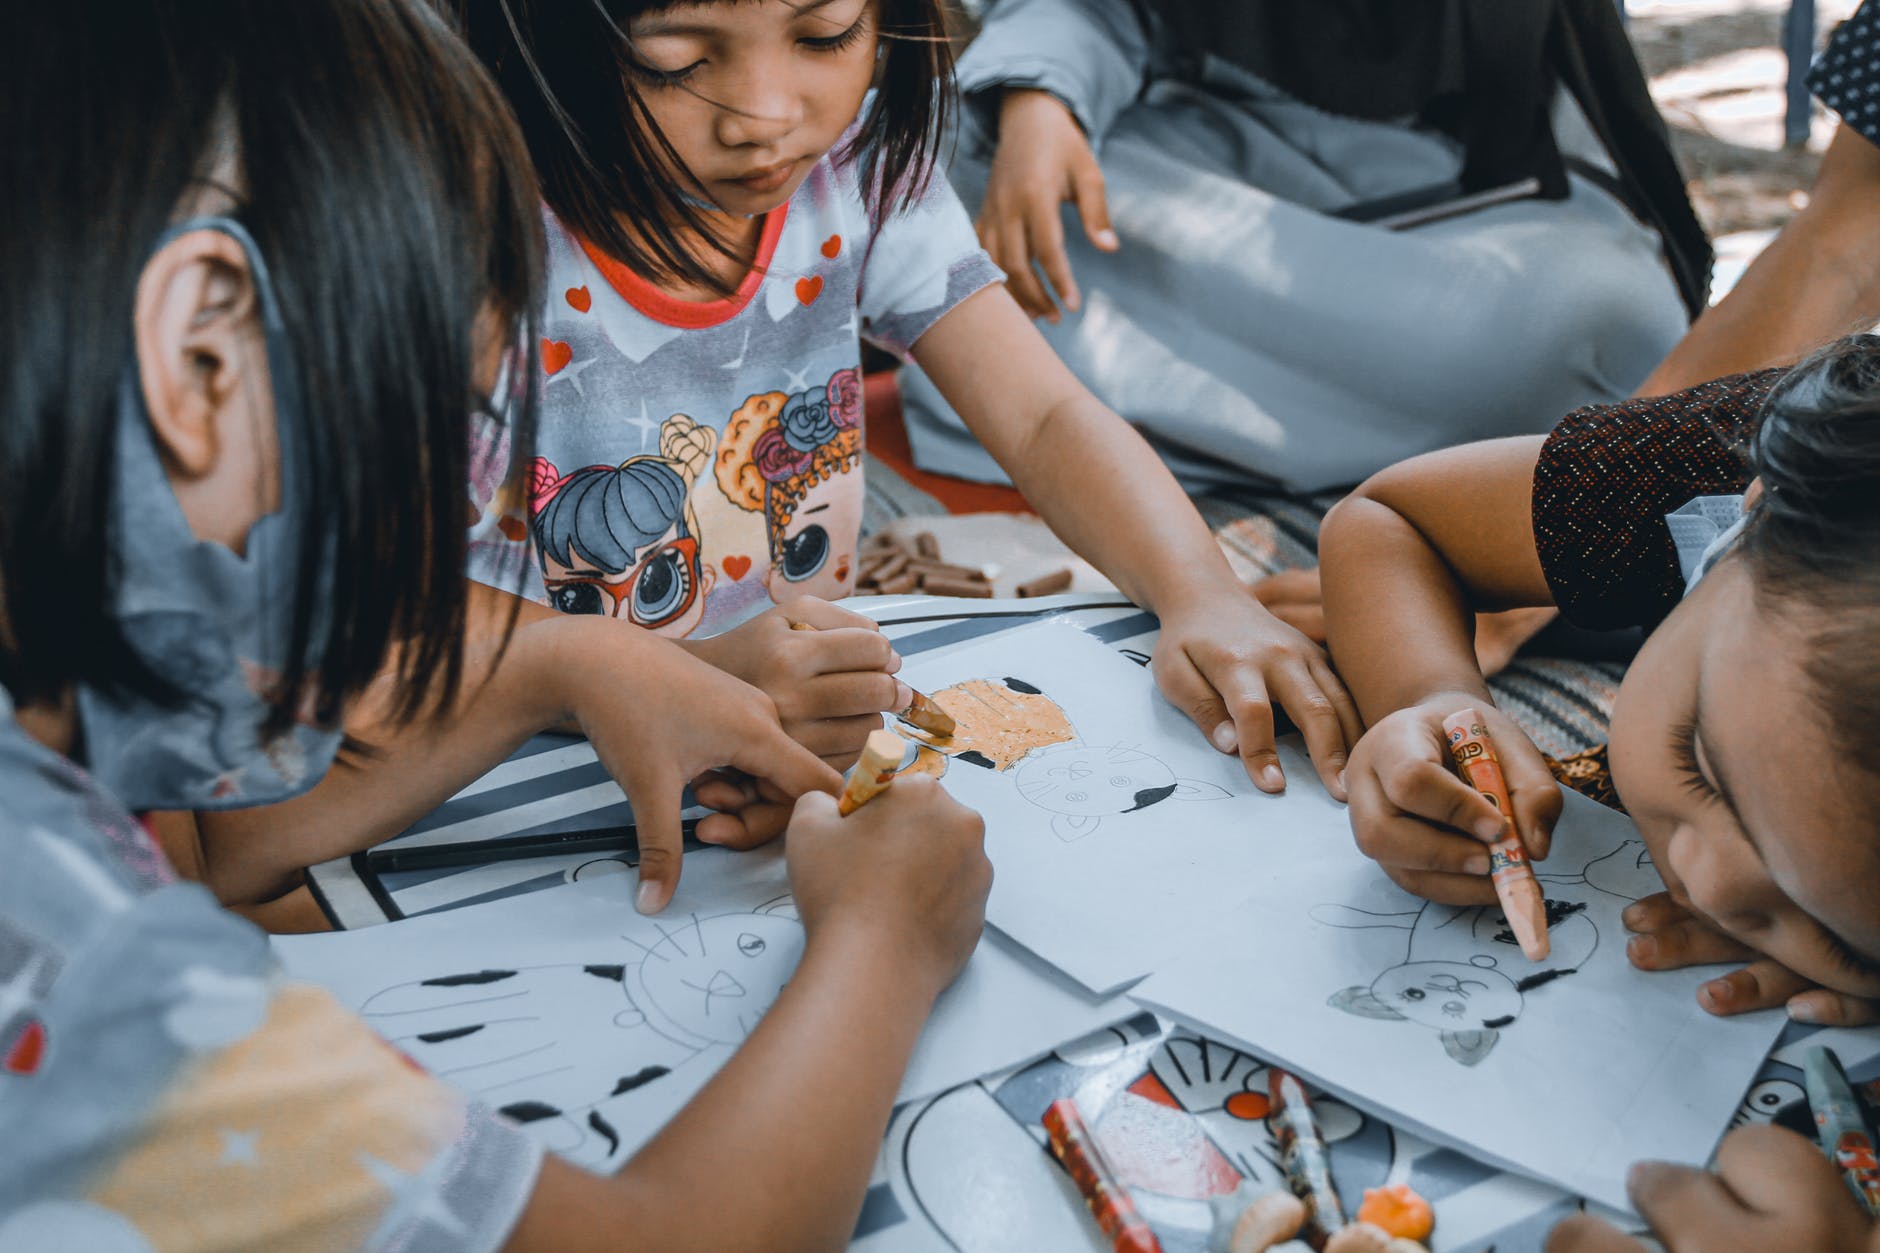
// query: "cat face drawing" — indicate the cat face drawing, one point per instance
point(1454, 978)
point(711, 982)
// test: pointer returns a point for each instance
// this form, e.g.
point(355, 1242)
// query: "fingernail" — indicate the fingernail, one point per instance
point(1489, 828)
point(1107, 239)
point(1632, 916)
point(1802, 1010)
point(894, 662)
point(1715, 995)
point(1477, 863)
point(703, 835)
point(903, 695)
point(1641, 949)
point(1225, 737)
point(1341, 783)
point(651, 897)
point(1272, 779)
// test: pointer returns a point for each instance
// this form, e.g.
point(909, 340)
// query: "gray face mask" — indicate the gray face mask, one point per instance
point(216, 626)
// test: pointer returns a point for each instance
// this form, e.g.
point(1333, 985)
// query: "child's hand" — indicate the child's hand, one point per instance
point(659, 718)
point(1667, 936)
point(910, 867)
point(1224, 660)
point(1772, 1190)
point(830, 685)
point(1427, 828)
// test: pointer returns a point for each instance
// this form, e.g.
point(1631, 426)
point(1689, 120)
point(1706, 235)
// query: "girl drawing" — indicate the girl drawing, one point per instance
point(623, 541)
point(788, 456)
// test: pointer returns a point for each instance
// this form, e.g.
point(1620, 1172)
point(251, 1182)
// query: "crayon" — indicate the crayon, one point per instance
point(1074, 1146)
point(1046, 584)
point(922, 711)
point(1515, 885)
point(881, 759)
point(1304, 1157)
point(1842, 1127)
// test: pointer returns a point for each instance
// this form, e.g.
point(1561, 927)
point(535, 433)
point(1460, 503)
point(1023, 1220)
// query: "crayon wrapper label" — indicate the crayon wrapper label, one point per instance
point(1854, 1155)
point(1513, 857)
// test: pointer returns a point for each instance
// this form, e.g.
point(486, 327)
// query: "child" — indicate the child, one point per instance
point(722, 227)
point(1762, 612)
point(258, 266)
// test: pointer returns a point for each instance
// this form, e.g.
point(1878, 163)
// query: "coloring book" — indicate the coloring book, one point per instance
point(1567, 1069)
point(592, 1025)
point(1113, 827)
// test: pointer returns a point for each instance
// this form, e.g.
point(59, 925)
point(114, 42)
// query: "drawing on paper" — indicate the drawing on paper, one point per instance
point(544, 1043)
point(1451, 978)
point(1010, 726)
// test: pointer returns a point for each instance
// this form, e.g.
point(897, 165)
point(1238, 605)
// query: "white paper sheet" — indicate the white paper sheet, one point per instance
point(1113, 826)
point(595, 1025)
point(1567, 1069)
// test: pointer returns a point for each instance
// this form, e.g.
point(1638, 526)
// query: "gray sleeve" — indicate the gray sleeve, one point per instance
point(1091, 54)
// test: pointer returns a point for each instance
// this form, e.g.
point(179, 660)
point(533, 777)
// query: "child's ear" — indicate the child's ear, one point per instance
point(202, 364)
point(195, 331)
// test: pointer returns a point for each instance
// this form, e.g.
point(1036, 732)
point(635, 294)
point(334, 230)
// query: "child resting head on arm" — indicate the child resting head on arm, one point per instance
point(260, 266)
point(737, 194)
point(1745, 738)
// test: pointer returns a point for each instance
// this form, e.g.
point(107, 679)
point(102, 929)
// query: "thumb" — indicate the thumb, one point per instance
point(1536, 800)
point(1093, 205)
point(776, 759)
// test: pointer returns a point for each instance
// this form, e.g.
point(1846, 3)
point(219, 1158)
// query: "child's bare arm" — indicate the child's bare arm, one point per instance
point(1222, 659)
point(775, 1152)
point(657, 718)
point(1406, 562)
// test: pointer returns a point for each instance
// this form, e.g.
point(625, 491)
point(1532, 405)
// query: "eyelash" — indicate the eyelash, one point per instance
point(1684, 757)
point(829, 43)
point(1850, 961)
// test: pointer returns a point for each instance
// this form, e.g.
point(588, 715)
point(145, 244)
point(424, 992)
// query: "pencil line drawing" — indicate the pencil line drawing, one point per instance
point(555, 1047)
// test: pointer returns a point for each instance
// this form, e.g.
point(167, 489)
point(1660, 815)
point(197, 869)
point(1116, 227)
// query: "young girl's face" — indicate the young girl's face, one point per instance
point(752, 95)
point(1736, 783)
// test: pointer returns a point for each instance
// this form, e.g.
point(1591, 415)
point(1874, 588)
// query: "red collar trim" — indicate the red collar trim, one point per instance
point(691, 315)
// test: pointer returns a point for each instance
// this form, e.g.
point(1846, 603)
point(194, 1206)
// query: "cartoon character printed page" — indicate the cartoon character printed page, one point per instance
point(1568, 1069)
point(1112, 825)
point(592, 1025)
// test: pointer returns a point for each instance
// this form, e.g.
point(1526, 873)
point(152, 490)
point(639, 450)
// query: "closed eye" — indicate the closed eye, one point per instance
point(1684, 759)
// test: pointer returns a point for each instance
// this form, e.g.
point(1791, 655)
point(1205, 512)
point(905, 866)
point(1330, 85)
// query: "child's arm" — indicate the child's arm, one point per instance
point(656, 716)
point(1772, 1190)
point(775, 1152)
point(1407, 560)
point(1222, 658)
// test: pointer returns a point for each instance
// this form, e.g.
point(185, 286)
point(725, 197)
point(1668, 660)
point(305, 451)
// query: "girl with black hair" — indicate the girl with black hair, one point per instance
point(735, 193)
point(1739, 523)
point(260, 267)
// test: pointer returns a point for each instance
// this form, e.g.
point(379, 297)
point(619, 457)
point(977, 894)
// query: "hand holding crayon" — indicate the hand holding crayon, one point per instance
point(1515, 885)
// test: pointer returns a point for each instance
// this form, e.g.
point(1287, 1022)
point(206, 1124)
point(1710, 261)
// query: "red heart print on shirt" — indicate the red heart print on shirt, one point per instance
point(579, 299)
point(832, 246)
point(736, 567)
point(807, 289)
point(555, 355)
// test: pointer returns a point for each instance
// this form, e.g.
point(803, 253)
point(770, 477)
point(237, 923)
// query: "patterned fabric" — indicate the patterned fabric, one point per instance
point(163, 1088)
point(1847, 77)
point(699, 461)
point(1609, 474)
point(1590, 774)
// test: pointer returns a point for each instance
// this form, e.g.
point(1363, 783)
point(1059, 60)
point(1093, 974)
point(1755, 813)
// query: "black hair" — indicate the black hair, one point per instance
point(1813, 539)
point(572, 76)
point(386, 185)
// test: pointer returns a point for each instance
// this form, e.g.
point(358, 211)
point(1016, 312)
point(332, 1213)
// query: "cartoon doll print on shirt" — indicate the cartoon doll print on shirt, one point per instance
point(623, 541)
point(788, 456)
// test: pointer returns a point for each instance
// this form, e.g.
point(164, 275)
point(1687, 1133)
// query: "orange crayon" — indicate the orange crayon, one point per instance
point(1515, 885)
point(881, 759)
point(1104, 1195)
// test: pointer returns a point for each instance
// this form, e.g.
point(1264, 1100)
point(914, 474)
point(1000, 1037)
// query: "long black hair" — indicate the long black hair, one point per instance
point(1813, 540)
point(383, 179)
point(572, 76)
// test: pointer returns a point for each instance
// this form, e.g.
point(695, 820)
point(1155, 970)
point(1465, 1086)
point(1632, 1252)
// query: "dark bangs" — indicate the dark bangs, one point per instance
point(390, 194)
point(570, 74)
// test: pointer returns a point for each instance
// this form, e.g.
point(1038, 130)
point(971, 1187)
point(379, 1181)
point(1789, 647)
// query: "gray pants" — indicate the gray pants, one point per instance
point(1255, 339)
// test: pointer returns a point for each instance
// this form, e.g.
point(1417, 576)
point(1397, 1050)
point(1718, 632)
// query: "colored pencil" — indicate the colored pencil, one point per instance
point(1842, 1126)
point(1303, 1156)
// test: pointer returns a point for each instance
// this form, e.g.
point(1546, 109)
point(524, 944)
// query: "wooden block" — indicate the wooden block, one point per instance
point(902, 582)
point(927, 546)
point(1046, 584)
point(940, 586)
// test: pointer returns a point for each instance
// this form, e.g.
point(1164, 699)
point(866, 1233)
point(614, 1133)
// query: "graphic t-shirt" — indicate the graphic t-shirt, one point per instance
point(162, 1086)
point(698, 462)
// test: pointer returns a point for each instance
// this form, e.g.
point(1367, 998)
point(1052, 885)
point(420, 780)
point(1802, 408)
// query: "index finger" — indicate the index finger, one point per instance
point(1425, 789)
point(1685, 1206)
point(656, 805)
point(771, 755)
point(819, 613)
point(841, 650)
